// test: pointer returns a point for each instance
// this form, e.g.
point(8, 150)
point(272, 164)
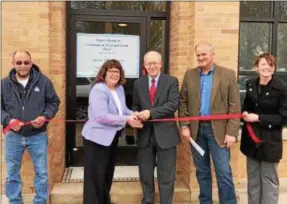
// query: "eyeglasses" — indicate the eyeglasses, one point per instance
point(24, 62)
point(114, 71)
point(149, 64)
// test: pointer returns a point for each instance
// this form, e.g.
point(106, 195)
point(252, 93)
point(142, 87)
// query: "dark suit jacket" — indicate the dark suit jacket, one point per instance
point(166, 104)
point(224, 99)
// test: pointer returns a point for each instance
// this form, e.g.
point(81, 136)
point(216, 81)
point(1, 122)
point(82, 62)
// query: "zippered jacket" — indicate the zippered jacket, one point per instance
point(38, 98)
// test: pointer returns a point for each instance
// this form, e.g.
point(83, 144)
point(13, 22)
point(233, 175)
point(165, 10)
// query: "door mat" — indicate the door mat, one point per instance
point(122, 173)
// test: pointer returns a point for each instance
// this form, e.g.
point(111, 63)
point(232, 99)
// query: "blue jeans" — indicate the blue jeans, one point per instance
point(221, 159)
point(36, 145)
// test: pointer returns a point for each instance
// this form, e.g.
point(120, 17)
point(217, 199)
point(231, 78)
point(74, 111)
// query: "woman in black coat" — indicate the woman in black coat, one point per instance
point(265, 108)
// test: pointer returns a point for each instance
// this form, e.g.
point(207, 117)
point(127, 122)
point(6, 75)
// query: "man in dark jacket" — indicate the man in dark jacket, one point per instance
point(26, 96)
point(156, 96)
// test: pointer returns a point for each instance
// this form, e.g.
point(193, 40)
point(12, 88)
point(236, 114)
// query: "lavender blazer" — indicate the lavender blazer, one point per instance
point(104, 119)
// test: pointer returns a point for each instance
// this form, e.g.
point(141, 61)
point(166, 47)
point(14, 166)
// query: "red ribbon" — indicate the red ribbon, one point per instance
point(16, 122)
point(199, 118)
point(252, 133)
point(214, 117)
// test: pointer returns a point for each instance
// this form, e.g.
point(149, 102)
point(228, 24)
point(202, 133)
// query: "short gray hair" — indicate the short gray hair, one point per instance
point(211, 48)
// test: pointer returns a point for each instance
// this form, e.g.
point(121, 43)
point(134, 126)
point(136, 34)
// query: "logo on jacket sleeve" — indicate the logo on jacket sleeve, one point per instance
point(36, 89)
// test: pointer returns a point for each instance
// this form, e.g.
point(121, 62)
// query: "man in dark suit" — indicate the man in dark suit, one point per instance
point(156, 96)
point(210, 89)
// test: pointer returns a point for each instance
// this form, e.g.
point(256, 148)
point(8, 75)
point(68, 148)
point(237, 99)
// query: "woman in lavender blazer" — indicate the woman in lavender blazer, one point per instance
point(108, 116)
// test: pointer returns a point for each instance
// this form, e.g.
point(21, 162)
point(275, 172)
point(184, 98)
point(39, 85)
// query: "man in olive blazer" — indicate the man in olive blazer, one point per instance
point(210, 89)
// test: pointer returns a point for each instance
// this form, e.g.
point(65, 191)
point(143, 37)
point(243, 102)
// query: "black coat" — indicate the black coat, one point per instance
point(271, 106)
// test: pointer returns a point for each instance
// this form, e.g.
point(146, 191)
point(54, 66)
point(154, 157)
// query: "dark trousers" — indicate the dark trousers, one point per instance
point(165, 160)
point(99, 167)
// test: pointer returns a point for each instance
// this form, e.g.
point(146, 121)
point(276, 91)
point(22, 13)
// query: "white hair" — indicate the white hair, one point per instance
point(152, 53)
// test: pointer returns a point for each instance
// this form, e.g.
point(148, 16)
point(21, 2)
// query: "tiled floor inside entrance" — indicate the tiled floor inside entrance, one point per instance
point(122, 173)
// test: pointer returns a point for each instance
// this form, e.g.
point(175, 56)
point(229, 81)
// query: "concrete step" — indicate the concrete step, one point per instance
point(130, 193)
point(122, 193)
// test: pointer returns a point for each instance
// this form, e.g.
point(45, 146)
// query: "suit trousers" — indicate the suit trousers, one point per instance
point(99, 167)
point(165, 160)
point(263, 182)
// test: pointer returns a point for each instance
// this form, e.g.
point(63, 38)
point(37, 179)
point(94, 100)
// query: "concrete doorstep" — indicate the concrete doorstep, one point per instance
point(130, 193)
point(122, 193)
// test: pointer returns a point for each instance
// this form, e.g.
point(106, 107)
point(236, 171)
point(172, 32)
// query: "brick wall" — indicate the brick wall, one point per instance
point(38, 27)
point(181, 56)
point(192, 22)
point(217, 23)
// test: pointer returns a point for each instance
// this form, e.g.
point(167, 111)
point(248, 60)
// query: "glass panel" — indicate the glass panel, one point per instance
point(108, 27)
point(283, 76)
point(84, 84)
point(282, 9)
point(242, 81)
point(157, 36)
point(120, 5)
point(241, 84)
point(254, 40)
point(282, 47)
point(83, 5)
point(255, 9)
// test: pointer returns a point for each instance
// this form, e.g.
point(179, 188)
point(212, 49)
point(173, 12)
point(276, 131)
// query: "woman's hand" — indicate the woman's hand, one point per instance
point(134, 121)
point(250, 117)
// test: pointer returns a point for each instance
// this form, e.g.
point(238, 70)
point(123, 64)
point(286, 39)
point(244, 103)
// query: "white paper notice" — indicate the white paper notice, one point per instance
point(197, 147)
point(94, 49)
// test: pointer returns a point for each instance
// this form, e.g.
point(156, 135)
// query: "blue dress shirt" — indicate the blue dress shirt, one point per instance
point(205, 91)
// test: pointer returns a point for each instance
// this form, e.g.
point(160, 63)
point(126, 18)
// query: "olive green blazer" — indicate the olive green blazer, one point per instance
point(225, 99)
